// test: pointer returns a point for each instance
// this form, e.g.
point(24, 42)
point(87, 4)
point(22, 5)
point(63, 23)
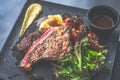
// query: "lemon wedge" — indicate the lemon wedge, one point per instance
point(51, 21)
point(32, 12)
point(58, 18)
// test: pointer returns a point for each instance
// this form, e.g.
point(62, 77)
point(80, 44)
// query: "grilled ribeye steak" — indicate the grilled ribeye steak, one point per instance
point(29, 40)
point(52, 45)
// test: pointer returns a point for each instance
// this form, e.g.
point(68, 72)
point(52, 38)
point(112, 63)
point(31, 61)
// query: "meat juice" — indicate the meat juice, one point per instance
point(102, 21)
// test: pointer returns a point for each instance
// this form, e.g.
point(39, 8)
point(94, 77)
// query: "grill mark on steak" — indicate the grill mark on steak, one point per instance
point(29, 40)
point(52, 47)
point(25, 61)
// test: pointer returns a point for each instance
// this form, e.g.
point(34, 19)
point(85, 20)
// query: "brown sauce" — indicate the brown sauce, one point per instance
point(102, 21)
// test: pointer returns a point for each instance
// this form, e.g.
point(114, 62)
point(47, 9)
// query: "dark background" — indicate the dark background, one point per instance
point(10, 10)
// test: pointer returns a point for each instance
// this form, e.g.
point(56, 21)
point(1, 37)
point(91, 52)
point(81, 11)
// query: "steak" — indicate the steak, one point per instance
point(52, 45)
point(29, 40)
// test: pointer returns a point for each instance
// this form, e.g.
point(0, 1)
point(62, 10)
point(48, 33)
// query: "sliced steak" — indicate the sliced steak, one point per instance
point(52, 45)
point(29, 40)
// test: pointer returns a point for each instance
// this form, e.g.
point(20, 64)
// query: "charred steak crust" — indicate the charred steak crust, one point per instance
point(52, 46)
point(29, 40)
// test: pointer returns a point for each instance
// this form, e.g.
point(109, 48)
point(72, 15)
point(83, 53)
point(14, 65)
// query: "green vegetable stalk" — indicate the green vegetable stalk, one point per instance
point(82, 64)
point(78, 55)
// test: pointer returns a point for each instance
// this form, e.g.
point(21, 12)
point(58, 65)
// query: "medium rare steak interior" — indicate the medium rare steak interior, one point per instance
point(52, 45)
